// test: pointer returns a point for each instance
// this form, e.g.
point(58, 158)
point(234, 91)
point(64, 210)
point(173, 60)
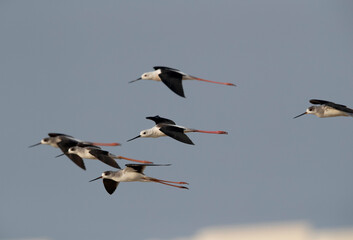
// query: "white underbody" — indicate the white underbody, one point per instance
point(155, 76)
point(83, 153)
point(129, 176)
point(331, 112)
point(155, 132)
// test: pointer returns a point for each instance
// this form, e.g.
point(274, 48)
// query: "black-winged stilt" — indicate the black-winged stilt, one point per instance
point(173, 78)
point(327, 109)
point(132, 173)
point(167, 127)
point(94, 152)
point(64, 142)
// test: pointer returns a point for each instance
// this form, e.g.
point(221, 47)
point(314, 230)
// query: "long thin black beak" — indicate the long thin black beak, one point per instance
point(60, 155)
point(135, 80)
point(300, 115)
point(35, 145)
point(133, 138)
point(95, 179)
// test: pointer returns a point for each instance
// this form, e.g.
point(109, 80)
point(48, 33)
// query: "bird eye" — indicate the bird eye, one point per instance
point(106, 173)
point(144, 133)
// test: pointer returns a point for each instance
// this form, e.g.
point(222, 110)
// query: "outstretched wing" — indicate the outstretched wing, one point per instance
point(177, 133)
point(87, 144)
point(320, 102)
point(64, 146)
point(135, 168)
point(165, 68)
point(110, 185)
point(104, 157)
point(77, 160)
point(141, 167)
point(66, 143)
point(157, 119)
point(58, 134)
point(332, 104)
point(173, 80)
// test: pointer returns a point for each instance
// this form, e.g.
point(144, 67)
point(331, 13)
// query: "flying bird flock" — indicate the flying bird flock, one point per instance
point(77, 150)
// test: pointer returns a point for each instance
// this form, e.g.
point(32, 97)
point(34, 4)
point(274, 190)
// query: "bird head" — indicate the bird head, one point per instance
point(45, 141)
point(105, 174)
point(73, 150)
point(143, 133)
point(310, 110)
point(145, 76)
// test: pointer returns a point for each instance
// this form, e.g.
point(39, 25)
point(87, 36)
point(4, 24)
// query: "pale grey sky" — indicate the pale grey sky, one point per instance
point(65, 67)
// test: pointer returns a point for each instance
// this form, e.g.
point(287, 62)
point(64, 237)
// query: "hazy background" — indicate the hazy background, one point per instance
point(65, 67)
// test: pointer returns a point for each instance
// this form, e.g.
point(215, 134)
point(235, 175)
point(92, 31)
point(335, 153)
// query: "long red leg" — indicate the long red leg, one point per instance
point(132, 160)
point(204, 80)
point(173, 182)
point(106, 144)
point(214, 132)
point(159, 181)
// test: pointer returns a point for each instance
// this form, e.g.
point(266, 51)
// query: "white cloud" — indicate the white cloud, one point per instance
point(275, 231)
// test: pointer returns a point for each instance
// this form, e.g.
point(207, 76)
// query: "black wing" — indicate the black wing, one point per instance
point(157, 119)
point(173, 80)
point(64, 146)
point(140, 167)
point(104, 157)
point(110, 185)
point(66, 143)
point(77, 160)
point(165, 68)
point(177, 133)
point(328, 103)
point(136, 167)
point(58, 134)
point(87, 144)
point(332, 104)
point(320, 102)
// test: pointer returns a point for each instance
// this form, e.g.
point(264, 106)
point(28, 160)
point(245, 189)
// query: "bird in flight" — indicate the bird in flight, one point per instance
point(64, 142)
point(132, 173)
point(327, 109)
point(94, 152)
point(172, 78)
point(167, 127)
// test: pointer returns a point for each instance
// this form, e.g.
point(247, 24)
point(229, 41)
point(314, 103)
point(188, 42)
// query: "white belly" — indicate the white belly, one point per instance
point(85, 154)
point(334, 113)
point(155, 132)
point(131, 177)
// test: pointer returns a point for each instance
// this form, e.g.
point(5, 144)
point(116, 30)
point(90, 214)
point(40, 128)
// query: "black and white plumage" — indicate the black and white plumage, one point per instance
point(91, 152)
point(167, 127)
point(173, 78)
point(94, 152)
point(64, 142)
point(132, 173)
point(327, 109)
